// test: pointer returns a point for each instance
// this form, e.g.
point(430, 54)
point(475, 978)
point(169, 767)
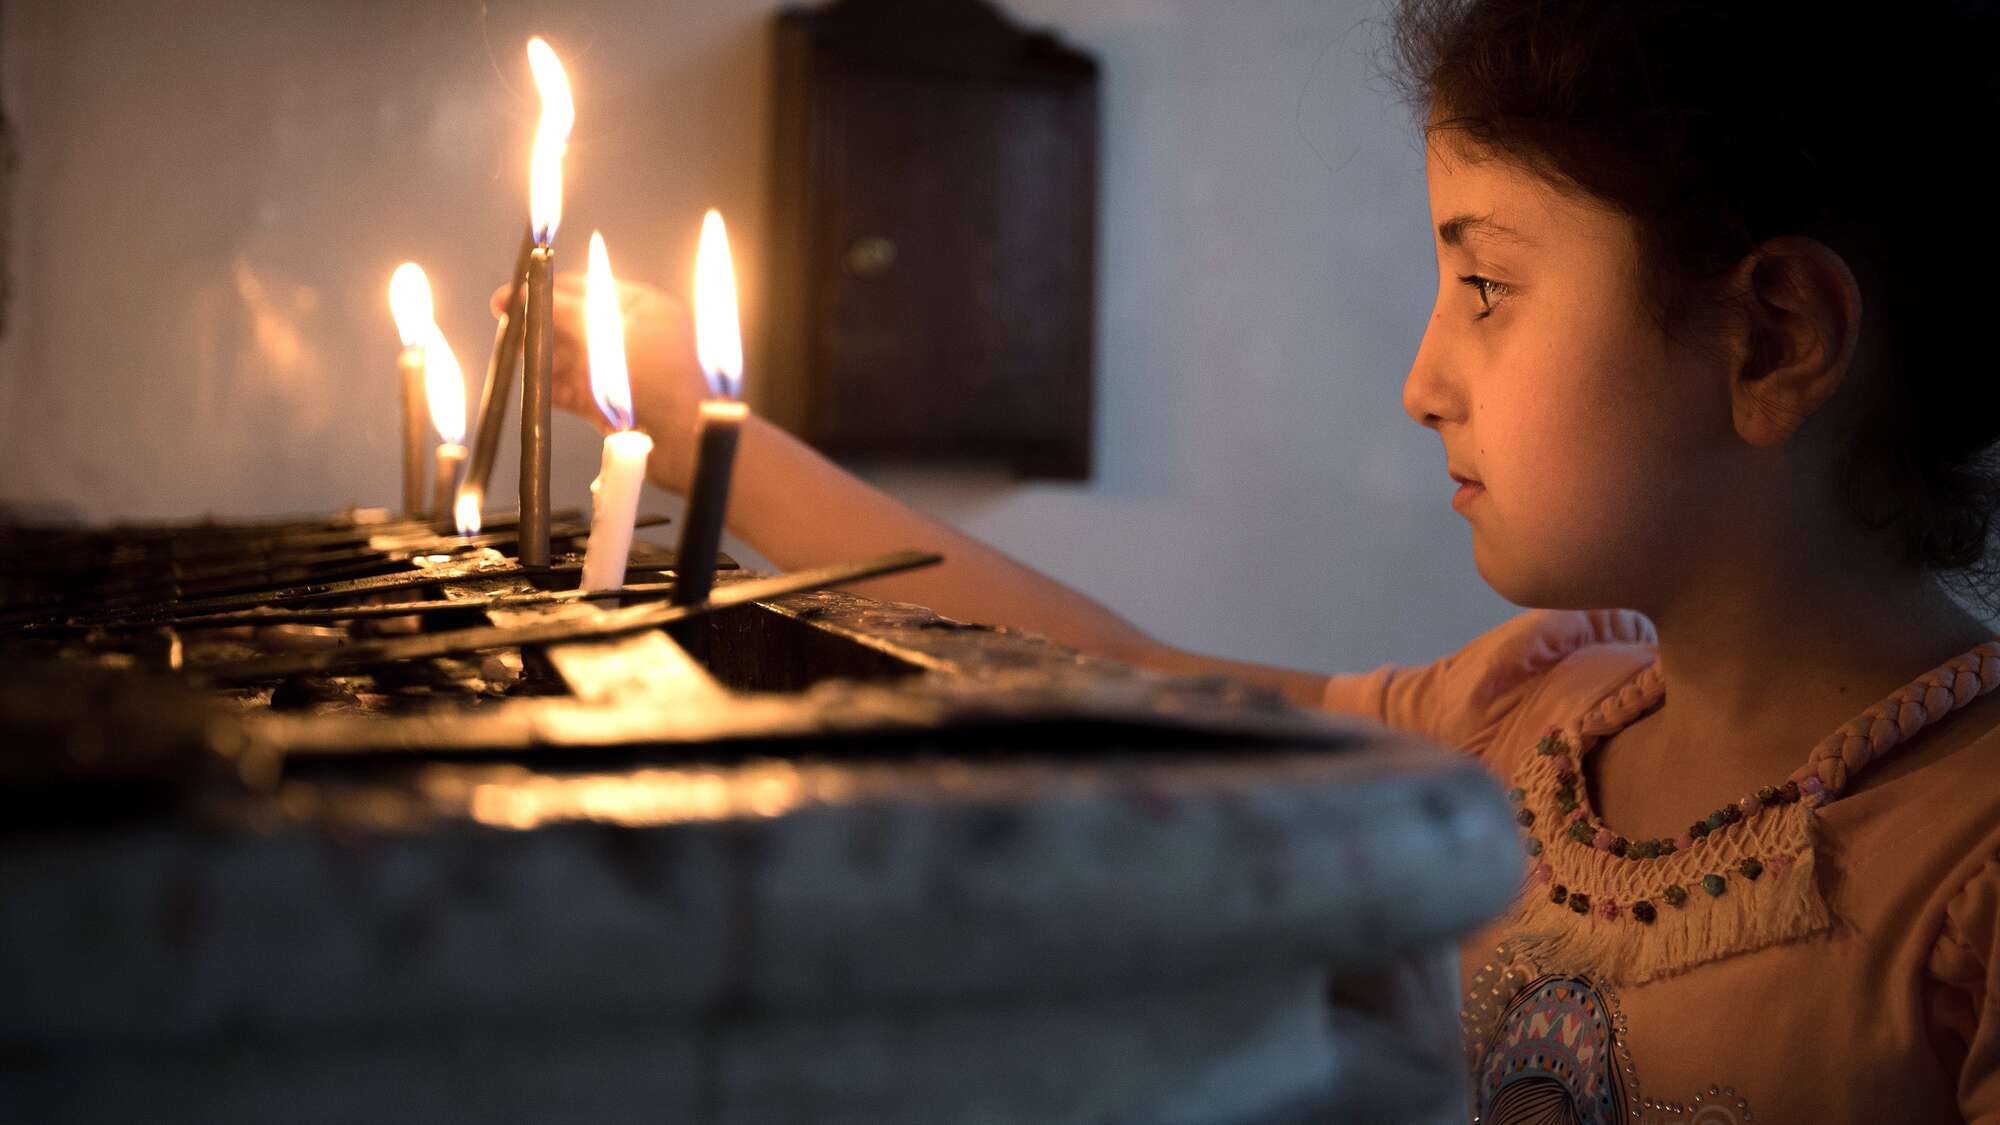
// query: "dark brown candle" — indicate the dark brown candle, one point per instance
point(537, 414)
point(716, 430)
point(538, 333)
point(501, 368)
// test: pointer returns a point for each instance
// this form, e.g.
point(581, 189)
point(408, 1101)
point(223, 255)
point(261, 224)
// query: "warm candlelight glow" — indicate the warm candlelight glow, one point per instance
point(444, 384)
point(614, 494)
point(466, 512)
point(718, 338)
point(551, 139)
point(410, 302)
point(604, 332)
point(514, 798)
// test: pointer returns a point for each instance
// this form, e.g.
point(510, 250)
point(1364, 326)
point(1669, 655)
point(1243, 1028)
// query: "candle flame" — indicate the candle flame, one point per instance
point(604, 332)
point(551, 140)
point(444, 384)
point(466, 512)
point(718, 336)
point(410, 303)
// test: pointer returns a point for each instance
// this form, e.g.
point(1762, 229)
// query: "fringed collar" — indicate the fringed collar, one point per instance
point(1741, 879)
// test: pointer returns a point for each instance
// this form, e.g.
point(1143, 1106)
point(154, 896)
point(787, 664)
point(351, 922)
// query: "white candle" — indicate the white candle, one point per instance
point(614, 495)
point(410, 303)
point(614, 506)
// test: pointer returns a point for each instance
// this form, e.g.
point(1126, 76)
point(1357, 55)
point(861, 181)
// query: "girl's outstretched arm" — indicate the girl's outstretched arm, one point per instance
point(801, 510)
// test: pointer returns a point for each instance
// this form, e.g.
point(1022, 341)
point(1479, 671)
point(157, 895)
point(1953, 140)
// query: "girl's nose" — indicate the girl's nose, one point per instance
point(1430, 397)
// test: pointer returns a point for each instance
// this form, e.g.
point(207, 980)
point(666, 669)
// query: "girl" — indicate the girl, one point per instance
point(1702, 348)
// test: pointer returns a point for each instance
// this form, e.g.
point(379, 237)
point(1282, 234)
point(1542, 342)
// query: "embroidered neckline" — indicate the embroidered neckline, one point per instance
point(1753, 860)
point(1838, 758)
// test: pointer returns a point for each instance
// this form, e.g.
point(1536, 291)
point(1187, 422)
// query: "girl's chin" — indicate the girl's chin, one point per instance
point(1528, 583)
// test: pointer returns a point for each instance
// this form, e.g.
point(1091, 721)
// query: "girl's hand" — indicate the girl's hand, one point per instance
point(667, 383)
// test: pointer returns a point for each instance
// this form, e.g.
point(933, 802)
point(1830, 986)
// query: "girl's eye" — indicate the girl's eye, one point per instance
point(1488, 289)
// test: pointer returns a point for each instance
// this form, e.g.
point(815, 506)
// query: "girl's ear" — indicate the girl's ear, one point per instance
point(1803, 311)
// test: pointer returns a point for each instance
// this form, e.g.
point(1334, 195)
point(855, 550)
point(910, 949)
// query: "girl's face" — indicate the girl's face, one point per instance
point(1601, 450)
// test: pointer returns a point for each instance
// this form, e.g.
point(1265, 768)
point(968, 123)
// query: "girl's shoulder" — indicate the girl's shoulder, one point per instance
point(1534, 669)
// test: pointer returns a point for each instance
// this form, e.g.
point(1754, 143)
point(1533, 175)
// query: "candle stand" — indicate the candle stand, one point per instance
point(272, 846)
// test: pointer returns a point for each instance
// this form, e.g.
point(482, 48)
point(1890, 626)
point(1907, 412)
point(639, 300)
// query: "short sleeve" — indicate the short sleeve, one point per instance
point(1963, 999)
point(1460, 700)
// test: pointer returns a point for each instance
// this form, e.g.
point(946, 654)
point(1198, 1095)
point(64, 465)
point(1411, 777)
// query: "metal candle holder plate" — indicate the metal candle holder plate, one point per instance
point(334, 842)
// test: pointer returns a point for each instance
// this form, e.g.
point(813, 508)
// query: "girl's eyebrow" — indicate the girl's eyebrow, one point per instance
point(1457, 229)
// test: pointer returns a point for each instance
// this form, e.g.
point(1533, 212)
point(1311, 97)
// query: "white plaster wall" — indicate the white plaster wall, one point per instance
point(211, 195)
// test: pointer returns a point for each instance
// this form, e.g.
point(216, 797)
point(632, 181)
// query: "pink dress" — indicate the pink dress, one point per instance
point(1809, 954)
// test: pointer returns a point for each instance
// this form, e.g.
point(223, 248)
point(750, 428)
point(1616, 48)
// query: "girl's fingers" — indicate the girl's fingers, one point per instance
point(656, 328)
point(575, 400)
point(569, 399)
point(569, 286)
point(571, 363)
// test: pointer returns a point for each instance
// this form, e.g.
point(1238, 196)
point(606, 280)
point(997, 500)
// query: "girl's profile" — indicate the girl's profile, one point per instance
point(1706, 360)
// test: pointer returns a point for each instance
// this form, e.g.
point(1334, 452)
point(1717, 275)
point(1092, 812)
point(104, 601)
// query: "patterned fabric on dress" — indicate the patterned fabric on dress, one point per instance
point(1822, 950)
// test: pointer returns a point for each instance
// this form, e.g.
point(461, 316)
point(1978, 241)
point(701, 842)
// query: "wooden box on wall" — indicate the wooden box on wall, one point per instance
point(933, 237)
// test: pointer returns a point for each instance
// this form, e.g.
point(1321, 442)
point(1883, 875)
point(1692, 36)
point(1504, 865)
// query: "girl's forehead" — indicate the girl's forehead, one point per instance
point(1477, 196)
point(1484, 186)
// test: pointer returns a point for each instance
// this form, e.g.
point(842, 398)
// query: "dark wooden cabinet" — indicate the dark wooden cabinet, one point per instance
point(933, 237)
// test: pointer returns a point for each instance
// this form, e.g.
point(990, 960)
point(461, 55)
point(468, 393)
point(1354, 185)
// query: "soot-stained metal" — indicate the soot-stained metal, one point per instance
point(440, 840)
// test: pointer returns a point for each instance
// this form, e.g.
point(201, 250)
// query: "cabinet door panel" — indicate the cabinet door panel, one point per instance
point(941, 242)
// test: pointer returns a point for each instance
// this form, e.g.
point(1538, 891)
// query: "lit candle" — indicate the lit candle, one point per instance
point(501, 367)
point(538, 346)
point(410, 303)
point(466, 514)
point(718, 341)
point(444, 386)
point(614, 502)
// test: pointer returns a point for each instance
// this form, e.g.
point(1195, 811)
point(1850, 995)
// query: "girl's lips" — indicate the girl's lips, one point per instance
point(1466, 494)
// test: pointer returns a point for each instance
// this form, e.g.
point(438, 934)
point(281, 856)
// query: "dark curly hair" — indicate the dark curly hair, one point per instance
point(1718, 124)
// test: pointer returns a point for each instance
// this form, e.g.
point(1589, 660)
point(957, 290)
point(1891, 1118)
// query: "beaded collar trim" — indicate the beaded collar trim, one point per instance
point(1740, 879)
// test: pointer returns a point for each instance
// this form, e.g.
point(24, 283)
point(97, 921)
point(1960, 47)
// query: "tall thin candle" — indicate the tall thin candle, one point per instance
point(501, 368)
point(444, 386)
point(410, 303)
point(538, 367)
point(537, 413)
point(719, 346)
point(614, 500)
